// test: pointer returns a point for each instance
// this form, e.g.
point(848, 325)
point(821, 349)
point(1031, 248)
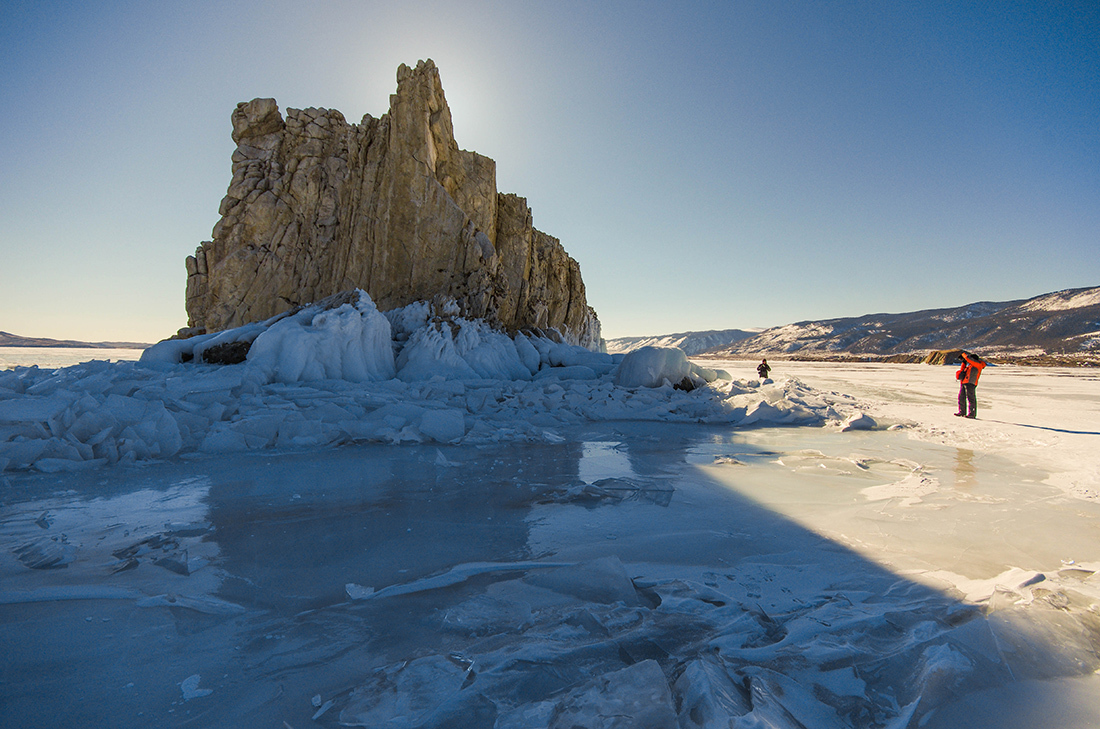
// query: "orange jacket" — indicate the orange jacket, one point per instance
point(973, 370)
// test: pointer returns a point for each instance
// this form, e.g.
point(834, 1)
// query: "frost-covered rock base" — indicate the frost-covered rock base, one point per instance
point(348, 373)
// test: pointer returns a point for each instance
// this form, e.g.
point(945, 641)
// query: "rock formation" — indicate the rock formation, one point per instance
point(943, 357)
point(392, 206)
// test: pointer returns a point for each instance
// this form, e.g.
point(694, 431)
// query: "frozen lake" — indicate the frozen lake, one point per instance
point(939, 574)
point(51, 357)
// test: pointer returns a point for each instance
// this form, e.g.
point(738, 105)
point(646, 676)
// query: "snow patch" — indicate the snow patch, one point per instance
point(1062, 300)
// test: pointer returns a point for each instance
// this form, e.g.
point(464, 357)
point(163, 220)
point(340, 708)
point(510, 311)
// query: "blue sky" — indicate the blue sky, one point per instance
point(709, 164)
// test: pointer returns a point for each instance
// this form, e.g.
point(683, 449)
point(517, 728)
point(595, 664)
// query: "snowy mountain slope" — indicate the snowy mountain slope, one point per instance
point(1060, 323)
point(691, 342)
point(1062, 300)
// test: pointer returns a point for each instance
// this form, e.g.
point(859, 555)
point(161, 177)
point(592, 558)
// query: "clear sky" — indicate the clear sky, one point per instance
point(730, 164)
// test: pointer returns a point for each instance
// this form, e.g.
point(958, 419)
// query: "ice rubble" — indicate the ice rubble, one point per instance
point(327, 376)
point(681, 647)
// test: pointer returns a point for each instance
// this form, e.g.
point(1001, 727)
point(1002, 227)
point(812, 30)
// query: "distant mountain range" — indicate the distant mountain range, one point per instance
point(1058, 328)
point(691, 342)
point(14, 340)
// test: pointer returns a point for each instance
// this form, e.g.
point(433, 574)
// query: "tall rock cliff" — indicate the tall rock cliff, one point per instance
point(390, 205)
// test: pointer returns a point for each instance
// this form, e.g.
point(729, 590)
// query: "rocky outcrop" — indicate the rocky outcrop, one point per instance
point(943, 357)
point(390, 205)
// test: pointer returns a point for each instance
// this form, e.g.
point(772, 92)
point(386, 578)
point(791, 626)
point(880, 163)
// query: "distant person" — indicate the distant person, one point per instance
point(763, 369)
point(969, 372)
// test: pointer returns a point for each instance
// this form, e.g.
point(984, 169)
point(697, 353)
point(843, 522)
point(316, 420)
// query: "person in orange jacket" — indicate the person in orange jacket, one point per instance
point(969, 372)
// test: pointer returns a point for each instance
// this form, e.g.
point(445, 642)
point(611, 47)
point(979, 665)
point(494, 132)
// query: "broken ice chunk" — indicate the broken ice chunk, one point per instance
point(45, 554)
point(466, 709)
point(358, 592)
point(859, 421)
point(526, 715)
point(405, 694)
point(321, 711)
point(38, 409)
point(602, 580)
point(443, 426)
point(177, 563)
point(190, 688)
point(486, 615)
point(223, 440)
point(181, 563)
point(125, 564)
point(455, 575)
point(780, 701)
point(442, 460)
point(636, 696)
point(708, 696)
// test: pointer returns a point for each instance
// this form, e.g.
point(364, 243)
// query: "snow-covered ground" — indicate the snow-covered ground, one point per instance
point(1041, 417)
point(554, 551)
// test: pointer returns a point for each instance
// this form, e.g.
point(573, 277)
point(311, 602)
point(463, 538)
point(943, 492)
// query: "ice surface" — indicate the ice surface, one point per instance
point(556, 566)
point(60, 356)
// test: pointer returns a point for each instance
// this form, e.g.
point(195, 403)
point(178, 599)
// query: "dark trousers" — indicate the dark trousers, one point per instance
point(967, 394)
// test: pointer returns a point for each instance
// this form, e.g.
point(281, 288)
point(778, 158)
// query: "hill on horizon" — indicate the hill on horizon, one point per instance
point(691, 342)
point(1057, 328)
point(8, 339)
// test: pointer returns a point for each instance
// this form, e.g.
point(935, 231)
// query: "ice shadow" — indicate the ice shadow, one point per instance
point(742, 609)
point(1045, 427)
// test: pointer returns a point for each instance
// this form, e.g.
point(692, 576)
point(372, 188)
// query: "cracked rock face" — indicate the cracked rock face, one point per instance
point(390, 205)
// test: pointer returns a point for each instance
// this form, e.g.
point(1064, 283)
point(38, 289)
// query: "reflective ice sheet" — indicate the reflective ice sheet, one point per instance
point(633, 575)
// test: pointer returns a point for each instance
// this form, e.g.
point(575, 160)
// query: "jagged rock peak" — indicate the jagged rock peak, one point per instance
point(391, 205)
